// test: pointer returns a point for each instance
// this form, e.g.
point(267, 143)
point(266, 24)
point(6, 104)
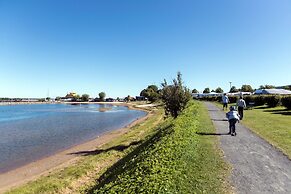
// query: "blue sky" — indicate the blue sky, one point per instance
point(120, 47)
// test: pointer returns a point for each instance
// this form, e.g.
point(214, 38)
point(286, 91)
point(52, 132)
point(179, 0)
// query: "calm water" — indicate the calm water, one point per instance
point(30, 132)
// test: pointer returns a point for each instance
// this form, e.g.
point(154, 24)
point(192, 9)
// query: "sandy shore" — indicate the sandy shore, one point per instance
point(59, 160)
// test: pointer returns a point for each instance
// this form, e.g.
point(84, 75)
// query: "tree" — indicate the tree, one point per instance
point(233, 89)
point(151, 93)
point(85, 97)
point(219, 90)
point(175, 96)
point(206, 91)
point(246, 88)
point(266, 87)
point(194, 91)
point(102, 96)
point(58, 98)
point(76, 98)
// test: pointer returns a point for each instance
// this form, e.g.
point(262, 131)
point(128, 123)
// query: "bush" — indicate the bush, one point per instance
point(233, 99)
point(259, 100)
point(273, 101)
point(286, 101)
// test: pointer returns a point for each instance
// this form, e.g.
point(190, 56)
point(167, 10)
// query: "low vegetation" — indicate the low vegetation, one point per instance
point(178, 158)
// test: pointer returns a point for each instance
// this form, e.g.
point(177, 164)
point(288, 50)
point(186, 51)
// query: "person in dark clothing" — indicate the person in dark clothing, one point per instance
point(241, 105)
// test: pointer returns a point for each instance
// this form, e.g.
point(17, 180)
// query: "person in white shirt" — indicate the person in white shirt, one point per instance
point(225, 101)
point(232, 117)
point(241, 105)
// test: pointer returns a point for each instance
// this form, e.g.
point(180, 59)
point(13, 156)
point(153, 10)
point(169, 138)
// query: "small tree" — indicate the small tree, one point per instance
point(102, 96)
point(151, 93)
point(194, 91)
point(206, 91)
point(175, 96)
point(58, 98)
point(233, 89)
point(75, 98)
point(266, 87)
point(219, 90)
point(246, 88)
point(85, 97)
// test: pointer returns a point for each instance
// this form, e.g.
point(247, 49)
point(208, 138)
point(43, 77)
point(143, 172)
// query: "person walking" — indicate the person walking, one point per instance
point(241, 105)
point(232, 117)
point(225, 101)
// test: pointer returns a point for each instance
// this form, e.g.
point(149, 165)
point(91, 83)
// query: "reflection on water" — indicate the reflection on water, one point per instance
point(29, 132)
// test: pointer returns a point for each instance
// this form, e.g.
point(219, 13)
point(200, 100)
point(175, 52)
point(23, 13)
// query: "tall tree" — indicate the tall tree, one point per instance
point(102, 96)
point(175, 96)
point(194, 91)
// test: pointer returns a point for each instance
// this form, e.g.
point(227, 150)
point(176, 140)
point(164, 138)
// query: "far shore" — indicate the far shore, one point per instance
point(63, 158)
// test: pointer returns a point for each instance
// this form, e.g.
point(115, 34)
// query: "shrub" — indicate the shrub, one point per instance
point(233, 99)
point(259, 100)
point(286, 101)
point(273, 100)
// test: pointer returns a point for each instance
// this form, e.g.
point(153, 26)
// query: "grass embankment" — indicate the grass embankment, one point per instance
point(174, 160)
point(272, 124)
point(168, 158)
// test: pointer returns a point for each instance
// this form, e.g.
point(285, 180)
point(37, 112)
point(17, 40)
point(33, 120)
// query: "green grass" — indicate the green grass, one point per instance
point(272, 124)
point(174, 160)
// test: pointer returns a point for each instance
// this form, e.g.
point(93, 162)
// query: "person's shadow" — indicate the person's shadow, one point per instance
point(206, 133)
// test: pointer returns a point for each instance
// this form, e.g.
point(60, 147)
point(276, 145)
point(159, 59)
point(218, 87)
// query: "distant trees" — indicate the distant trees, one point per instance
point(246, 88)
point(194, 91)
point(85, 97)
point(233, 89)
point(206, 91)
point(58, 98)
point(102, 96)
point(266, 87)
point(219, 90)
point(151, 93)
point(76, 98)
point(175, 96)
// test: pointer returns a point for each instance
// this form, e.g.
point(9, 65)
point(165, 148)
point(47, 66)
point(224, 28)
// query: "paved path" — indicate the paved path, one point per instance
point(258, 167)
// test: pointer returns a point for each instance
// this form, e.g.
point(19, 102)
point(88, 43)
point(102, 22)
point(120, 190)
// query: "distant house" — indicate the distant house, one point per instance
point(272, 91)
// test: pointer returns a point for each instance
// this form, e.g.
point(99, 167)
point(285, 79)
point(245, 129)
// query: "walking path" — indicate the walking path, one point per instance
point(258, 167)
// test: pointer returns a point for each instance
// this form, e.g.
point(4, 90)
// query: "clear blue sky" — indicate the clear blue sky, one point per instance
point(120, 47)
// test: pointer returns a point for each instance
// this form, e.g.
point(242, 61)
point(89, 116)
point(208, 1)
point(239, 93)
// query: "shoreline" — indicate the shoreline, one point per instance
point(62, 158)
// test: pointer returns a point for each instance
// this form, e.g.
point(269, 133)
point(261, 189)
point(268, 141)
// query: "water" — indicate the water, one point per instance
point(30, 132)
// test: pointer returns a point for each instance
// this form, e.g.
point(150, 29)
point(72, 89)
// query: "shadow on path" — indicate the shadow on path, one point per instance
point(203, 133)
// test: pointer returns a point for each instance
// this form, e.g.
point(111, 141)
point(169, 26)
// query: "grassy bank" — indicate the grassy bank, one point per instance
point(174, 160)
point(156, 156)
point(272, 124)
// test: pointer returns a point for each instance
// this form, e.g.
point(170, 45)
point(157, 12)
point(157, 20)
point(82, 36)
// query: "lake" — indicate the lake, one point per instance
point(31, 132)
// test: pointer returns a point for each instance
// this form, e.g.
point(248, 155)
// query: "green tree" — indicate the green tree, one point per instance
point(175, 96)
point(58, 98)
point(233, 89)
point(194, 91)
point(219, 90)
point(246, 88)
point(206, 91)
point(76, 98)
point(85, 97)
point(266, 87)
point(102, 96)
point(151, 93)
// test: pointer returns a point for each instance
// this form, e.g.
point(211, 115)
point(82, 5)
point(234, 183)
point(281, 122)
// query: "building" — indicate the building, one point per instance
point(273, 91)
